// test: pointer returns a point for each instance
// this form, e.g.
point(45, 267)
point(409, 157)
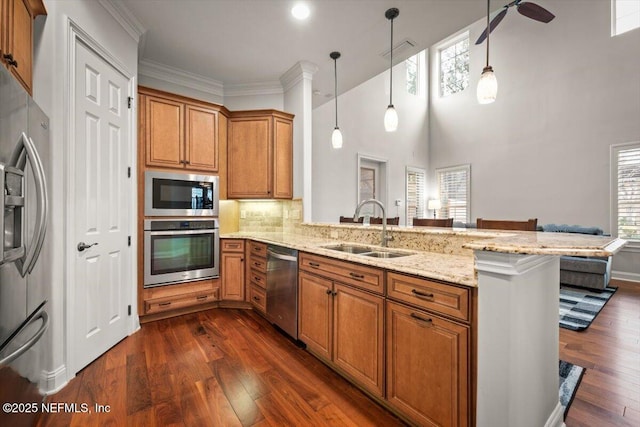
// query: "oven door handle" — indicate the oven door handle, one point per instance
point(179, 232)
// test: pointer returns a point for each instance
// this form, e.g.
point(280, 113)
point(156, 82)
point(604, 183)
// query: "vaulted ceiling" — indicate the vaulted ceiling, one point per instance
point(252, 43)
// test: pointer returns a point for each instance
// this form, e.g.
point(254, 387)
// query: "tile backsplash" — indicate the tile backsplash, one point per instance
point(260, 215)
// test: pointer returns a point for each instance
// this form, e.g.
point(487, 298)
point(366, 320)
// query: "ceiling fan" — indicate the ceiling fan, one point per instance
point(528, 9)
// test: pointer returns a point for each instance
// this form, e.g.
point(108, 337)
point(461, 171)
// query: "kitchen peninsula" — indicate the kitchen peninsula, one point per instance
point(489, 299)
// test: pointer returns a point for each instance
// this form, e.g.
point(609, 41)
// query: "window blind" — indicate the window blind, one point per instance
point(453, 187)
point(628, 192)
point(416, 190)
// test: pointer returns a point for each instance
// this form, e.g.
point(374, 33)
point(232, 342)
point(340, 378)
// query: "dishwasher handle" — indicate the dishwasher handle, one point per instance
point(276, 255)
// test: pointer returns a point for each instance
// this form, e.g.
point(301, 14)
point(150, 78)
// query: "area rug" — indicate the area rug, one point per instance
point(578, 307)
point(570, 377)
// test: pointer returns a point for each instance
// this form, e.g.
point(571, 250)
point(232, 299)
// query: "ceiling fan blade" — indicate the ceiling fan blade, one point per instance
point(533, 11)
point(494, 23)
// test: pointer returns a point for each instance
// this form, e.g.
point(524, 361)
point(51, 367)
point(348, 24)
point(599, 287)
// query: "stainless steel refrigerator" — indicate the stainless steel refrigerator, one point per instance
point(25, 267)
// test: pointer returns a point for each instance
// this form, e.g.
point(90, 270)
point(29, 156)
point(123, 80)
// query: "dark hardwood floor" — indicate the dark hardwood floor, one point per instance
point(229, 367)
point(609, 394)
point(222, 367)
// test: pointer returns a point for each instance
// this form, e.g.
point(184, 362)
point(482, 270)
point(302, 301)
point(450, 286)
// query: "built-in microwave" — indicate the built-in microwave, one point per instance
point(180, 194)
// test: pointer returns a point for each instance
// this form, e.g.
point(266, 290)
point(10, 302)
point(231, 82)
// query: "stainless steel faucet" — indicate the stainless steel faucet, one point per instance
point(383, 238)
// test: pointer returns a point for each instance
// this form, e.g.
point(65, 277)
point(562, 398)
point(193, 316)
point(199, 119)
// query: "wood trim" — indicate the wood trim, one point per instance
point(36, 7)
point(261, 113)
point(179, 98)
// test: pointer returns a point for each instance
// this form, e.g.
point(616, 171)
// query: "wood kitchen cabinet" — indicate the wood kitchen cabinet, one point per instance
point(341, 324)
point(232, 269)
point(428, 370)
point(180, 133)
point(260, 155)
point(257, 275)
point(16, 37)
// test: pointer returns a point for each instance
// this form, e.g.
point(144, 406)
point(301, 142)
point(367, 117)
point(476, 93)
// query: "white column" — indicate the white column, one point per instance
point(518, 339)
point(297, 85)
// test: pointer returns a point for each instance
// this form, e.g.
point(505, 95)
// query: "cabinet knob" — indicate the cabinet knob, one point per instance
point(328, 291)
point(9, 58)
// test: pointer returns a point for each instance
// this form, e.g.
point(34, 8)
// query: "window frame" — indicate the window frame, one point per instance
point(416, 170)
point(615, 150)
point(445, 206)
point(615, 20)
point(445, 45)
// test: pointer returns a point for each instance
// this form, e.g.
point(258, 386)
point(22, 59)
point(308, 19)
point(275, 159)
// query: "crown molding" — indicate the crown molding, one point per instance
point(300, 70)
point(125, 18)
point(249, 89)
point(169, 74)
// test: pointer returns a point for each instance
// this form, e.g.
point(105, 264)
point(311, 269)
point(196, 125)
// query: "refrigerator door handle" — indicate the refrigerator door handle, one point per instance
point(31, 341)
point(26, 149)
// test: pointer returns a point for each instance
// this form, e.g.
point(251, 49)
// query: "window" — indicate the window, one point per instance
point(454, 190)
point(625, 192)
point(454, 66)
point(625, 16)
point(416, 186)
point(413, 72)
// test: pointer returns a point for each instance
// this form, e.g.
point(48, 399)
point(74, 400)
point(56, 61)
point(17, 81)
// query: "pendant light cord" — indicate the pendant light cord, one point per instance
point(391, 68)
point(335, 68)
point(488, 29)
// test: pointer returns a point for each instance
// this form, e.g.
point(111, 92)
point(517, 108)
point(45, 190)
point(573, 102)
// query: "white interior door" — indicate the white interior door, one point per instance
point(101, 206)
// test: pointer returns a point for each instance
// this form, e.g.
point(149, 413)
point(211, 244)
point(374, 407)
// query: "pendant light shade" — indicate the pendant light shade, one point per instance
point(336, 136)
point(390, 119)
point(488, 85)
point(391, 115)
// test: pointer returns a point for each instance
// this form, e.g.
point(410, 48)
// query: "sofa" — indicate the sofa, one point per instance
point(584, 272)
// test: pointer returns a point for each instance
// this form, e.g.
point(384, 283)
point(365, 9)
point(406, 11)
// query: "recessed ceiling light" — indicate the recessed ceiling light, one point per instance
point(300, 11)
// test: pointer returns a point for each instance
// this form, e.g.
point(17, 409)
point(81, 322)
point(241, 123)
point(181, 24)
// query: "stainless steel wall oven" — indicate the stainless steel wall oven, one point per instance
point(180, 250)
point(180, 194)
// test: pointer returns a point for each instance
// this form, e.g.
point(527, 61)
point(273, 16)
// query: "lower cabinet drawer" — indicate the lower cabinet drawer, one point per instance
point(428, 294)
point(258, 278)
point(258, 298)
point(180, 301)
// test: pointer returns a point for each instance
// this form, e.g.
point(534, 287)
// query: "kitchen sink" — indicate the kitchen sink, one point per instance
point(380, 254)
point(352, 249)
point(367, 251)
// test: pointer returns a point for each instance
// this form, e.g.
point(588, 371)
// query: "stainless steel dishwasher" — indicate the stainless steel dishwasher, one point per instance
point(282, 288)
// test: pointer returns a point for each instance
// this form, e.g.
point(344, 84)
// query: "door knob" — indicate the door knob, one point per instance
point(82, 246)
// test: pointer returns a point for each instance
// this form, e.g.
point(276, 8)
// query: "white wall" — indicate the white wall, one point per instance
point(254, 102)
point(360, 118)
point(567, 92)
point(232, 102)
point(50, 86)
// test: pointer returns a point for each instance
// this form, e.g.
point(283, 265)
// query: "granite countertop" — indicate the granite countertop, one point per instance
point(549, 243)
point(453, 268)
point(450, 268)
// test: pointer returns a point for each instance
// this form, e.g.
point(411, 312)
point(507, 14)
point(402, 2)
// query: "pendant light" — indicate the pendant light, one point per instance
point(391, 115)
point(336, 136)
point(488, 85)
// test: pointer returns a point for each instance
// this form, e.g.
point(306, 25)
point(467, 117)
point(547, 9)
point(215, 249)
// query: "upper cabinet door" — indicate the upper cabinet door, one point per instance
point(250, 157)
point(260, 155)
point(283, 159)
point(201, 149)
point(16, 37)
point(164, 133)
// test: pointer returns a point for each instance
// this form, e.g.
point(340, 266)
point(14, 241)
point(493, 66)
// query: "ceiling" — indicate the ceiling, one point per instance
point(252, 43)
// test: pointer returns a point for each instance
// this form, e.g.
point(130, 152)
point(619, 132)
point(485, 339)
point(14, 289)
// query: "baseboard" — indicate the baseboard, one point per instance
point(556, 419)
point(53, 381)
point(626, 276)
